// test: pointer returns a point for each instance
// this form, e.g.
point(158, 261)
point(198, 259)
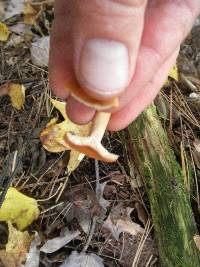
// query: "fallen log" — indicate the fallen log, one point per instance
point(171, 211)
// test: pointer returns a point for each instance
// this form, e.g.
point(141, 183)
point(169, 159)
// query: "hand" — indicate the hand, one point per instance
point(116, 47)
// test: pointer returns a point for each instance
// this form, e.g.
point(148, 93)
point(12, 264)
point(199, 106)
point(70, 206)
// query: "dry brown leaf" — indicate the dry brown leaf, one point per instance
point(142, 214)
point(83, 259)
point(30, 14)
point(197, 241)
point(54, 244)
point(40, 51)
point(13, 8)
point(119, 221)
point(196, 144)
point(16, 248)
point(84, 206)
point(4, 32)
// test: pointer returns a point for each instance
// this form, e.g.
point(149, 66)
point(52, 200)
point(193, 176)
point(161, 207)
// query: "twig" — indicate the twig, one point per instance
point(62, 188)
point(52, 196)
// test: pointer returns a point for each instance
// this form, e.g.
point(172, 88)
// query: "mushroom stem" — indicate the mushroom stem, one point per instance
point(99, 125)
point(91, 145)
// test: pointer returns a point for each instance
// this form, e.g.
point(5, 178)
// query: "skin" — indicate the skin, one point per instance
point(160, 26)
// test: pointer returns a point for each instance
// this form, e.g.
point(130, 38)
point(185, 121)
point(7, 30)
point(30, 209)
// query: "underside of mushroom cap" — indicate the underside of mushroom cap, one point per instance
point(78, 94)
point(90, 147)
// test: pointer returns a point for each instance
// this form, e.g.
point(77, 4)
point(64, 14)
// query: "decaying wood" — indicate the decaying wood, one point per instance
point(171, 211)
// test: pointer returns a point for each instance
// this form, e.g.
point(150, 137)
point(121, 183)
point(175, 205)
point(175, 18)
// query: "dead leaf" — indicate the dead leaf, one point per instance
point(74, 160)
point(83, 206)
point(19, 209)
point(82, 259)
point(16, 248)
point(17, 95)
point(119, 221)
point(40, 51)
point(197, 241)
point(2, 10)
point(16, 92)
point(31, 13)
point(13, 8)
point(6, 259)
point(33, 256)
point(4, 32)
point(56, 243)
point(14, 41)
point(21, 29)
point(142, 214)
point(128, 247)
point(173, 74)
point(196, 144)
point(52, 137)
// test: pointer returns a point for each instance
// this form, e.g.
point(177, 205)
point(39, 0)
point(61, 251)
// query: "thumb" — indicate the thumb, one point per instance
point(106, 39)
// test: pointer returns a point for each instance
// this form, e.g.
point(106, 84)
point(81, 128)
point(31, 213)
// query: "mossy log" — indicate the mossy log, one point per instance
point(170, 205)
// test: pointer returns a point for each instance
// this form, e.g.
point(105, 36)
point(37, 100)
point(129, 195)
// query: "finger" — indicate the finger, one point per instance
point(159, 30)
point(61, 58)
point(109, 34)
point(124, 117)
point(166, 25)
point(99, 44)
point(79, 113)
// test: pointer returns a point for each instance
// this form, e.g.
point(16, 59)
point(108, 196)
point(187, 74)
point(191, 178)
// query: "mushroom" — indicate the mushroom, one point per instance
point(77, 92)
point(91, 145)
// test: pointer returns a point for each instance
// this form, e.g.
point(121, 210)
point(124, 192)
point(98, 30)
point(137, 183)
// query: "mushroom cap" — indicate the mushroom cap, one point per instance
point(89, 146)
point(78, 93)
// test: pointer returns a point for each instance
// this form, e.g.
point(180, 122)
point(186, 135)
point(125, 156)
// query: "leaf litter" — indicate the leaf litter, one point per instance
point(16, 248)
point(127, 239)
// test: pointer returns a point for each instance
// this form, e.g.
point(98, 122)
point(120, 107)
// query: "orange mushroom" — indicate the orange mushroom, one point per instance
point(91, 145)
point(76, 91)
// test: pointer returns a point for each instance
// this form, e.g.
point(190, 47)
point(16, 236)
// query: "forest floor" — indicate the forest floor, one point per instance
point(70, 201)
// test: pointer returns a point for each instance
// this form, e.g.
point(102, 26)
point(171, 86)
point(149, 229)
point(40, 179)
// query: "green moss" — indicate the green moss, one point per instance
point(171, 210)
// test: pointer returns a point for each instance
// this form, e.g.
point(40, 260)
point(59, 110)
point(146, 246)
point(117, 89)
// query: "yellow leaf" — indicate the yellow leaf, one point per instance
point(30, 14)
point(4, 32)
point(17, 95)
point(60, 106)
point(173, 74)
point(19, 209)
point(74, 160)
point(52, 137)
point(17, 247)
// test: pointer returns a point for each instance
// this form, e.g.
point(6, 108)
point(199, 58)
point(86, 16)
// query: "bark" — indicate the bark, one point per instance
point(170, 205)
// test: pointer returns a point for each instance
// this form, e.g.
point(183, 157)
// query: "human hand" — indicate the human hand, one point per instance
point(116, 47)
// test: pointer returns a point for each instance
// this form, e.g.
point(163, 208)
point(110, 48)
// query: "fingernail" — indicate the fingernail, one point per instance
point(104, 67)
